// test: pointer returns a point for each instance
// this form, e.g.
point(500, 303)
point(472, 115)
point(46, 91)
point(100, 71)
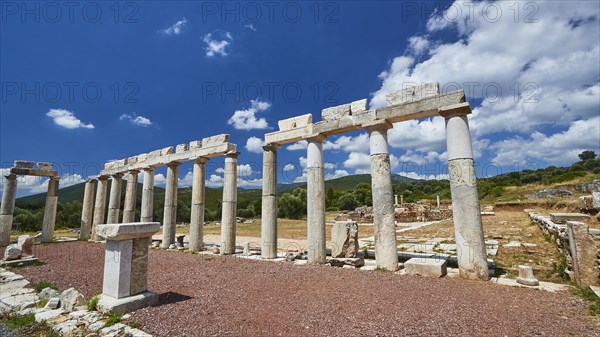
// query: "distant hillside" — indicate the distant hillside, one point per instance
point(345, 183)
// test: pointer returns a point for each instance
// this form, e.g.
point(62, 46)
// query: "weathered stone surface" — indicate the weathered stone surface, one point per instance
point(132, 160)
point(139, 265)
point(526, 276)
point(24, 164)
point(196, 144)
point(413, 93)
point(344, 237)
point(294, 122)
point(53, 303)
point(584, 253)
point(128, 230)
point(46, 315)
point(107, 304)
point(48, 293)
point(586, 202)
point(71, 298)
point(344, 110)
point(596, 200)
point(553, 193)
point(167, 150)
point(182, 148)
point(246, 248)
point(155, 153)
point(25, 244)
point(564, 217)
point(44, 166)
point(347, 261)
point(12, 252)
point(142, 157)
point(215, 140)
point(426, 267)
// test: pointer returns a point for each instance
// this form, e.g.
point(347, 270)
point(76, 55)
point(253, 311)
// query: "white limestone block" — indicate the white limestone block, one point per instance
point(155, 153)
point(426, 267)
point(526, 276)
point(109, 166)
point(596, 202)
point(358, 106)
point(24, 164)
point(127, 231)
point(197, 144)
point(132, 160)
point(295, 122)
point(167, 150)
point(215, 140)
point(142, 157)
point(182, 148)
point(44, 166)
point(413, 93)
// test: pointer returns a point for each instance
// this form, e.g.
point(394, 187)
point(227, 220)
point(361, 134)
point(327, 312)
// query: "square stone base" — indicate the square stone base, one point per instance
point(108, 304)
point(426, 267)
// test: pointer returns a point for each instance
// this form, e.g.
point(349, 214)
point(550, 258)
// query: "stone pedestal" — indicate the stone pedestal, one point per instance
point(584, 252)
point(148, 196)
point(130, 197)
point(229, 209)
point(99, 206)
point(170, 210)
point(269, 203)
point(384, 222)
point(526, 276)
point(125, 284)
point(315, 203)
point(7, 208)
point(114, 203)
point(468, 230)
point(50, 210)
point(87, 211)
point(197, 211)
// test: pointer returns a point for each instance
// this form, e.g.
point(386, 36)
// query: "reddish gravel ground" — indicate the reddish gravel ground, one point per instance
point(228, 296)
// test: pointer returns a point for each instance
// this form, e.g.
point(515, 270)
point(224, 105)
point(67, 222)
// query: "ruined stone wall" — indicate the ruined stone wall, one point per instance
point(407, 212)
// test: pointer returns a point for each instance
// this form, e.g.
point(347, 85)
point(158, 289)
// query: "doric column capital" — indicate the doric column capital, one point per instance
point(136, 172)
point(55, 178)
point(173, 164)
point(381, 125)
point(200, 160)
point(271, 147)
point(117, 175)
point(11, 176)
point(91, 180)
point(103, 178)
point(315, 138)
point(459, 109)
point(148, 169)
point(232, 154)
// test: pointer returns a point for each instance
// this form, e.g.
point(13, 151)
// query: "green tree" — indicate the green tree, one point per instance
point(348, 202)
point(585, 155)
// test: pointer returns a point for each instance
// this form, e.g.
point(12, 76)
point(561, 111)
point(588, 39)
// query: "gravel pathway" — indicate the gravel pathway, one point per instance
point(229, 296)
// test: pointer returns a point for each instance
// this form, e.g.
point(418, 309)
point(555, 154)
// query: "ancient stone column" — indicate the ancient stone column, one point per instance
point(384, 225)
point(468, 231)
point(7, 208)
point(50, 210)
point(269, 203)
point(170, 210)
point(87, 212)
point(197, 211)
point(114, 202)
point(229, 205)
point(130, 197)
point(100, 206)
point(147, 214)
point(315, 203)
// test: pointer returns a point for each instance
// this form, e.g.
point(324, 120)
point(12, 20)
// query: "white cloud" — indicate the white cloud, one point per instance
point(329, 166)
point(254, 145)
point(176, 28)
point(246, 119)
point(336, 174)
point(289, 167)
point(27, 185)
point(418, 44)
point(251, 27)
point(301, 145)
point(217, 46)
point(359, 143)
point(417, 176)
point(136, 120)
point(243, 170)
point(67, 119)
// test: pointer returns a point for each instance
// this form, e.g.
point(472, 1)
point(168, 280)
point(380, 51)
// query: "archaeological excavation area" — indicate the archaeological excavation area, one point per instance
point(456, 267)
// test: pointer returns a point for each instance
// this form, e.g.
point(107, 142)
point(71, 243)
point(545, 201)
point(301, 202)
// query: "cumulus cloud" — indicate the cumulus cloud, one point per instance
point(67, 119)
point(27, 185)
point(250, 26)
point(136, 120)
point(254, 145)
point(176, 28)
point(217, 45)
point(301, 145)
point(336, 174)
point(246, 119)
point(359, 143)
point(418, 44)
point(289, 167)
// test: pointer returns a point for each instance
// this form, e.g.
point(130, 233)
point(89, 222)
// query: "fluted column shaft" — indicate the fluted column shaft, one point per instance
point(50, 210)
point(147, 214)
point(229, 204)
point(130, 197)
point(269, 203)
point(114, 202)
point(87, 211)
point(197, 211)
point(170, 210)
point(315, 203)
point(7, 208)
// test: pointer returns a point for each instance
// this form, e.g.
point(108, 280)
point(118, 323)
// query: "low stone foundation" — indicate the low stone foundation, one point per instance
point(407, 212)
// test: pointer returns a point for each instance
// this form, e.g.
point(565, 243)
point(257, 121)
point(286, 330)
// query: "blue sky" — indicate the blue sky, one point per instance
point(102, 80)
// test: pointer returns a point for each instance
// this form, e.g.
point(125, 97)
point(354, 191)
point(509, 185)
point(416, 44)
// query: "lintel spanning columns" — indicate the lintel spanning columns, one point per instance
point(229, 204)
point(315, 203)
point(50, 210)
point(468, 230)
point(87, 212)
point(198, 204)
point(269, 202)
point(7, 208)
point(114, 202)
point(130, 197)
point(147, 214)
point(384, 225)
point(99, 206)
point(170, 210)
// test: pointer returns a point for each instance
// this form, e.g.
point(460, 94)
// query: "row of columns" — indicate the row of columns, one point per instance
point(465, 201)
point(8, 207)
point(90, 219)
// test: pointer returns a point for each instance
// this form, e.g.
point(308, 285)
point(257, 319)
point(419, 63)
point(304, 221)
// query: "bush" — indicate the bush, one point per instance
point(246, 213)
point(567, 176)
point(92, 303)
point(348, 202)
point(39, 286)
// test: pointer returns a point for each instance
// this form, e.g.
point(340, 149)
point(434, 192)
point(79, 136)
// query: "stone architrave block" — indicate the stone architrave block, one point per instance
point(24, 164)
point(44, 166)
point(413, 93)
point(182, 148)
point(110, 165)
point(215, 140)
point(427, 267)
point(167, 150)
point(132, 160)
point(197, 144)
point(155, 153)
point(142, 157)
point(359, 106)
point(294, 122)
point(344, 110)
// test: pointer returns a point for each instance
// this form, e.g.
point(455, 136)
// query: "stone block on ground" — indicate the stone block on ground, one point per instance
point(25, 244)
point(53, 303)
point(108, 304)
point(71, 298)
point(596, 200)
point(584, 254)
point(526, 276)
point(48, 293)
point(564, 217)
point(427, 267)
point(12, 252)
point(344, 237)
point(347, 261)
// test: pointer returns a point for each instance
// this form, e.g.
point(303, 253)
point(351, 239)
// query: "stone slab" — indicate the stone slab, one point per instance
point(215, 140)
point(107, 304)
point(426, 267)
point(564, 217)
point(127, 231)
point(413, 93)
point(295, 122)
point(20, 263)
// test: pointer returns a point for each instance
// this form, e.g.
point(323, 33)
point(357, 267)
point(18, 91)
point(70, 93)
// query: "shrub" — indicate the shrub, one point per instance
point(39, 286)
point(92, 303)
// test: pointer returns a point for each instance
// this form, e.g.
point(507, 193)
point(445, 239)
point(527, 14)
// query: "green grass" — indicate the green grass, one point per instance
point(39, 286)
point(42, 303)
point(14, 321)
point(27, 326)
point(588, 294)
point(113, 319)
point(92, 303)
